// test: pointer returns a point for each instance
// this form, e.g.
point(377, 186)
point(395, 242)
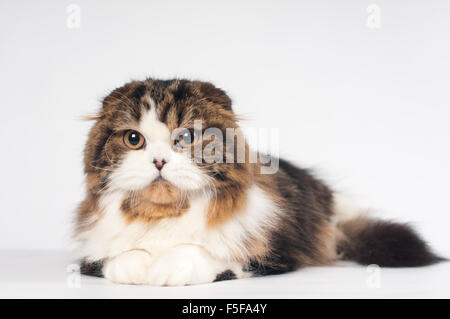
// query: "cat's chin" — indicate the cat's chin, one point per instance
point(161, 191)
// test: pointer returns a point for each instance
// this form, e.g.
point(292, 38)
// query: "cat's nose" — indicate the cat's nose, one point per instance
point(159, 164)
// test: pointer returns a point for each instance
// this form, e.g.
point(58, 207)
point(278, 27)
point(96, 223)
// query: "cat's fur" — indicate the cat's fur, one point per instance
point(199, 222)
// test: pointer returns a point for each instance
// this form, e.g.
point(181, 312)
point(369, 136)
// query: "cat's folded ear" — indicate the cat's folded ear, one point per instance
point(214, 94)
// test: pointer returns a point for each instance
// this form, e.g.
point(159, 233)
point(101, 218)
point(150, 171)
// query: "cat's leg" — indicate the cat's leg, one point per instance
point(130, 267)
point(190, 265)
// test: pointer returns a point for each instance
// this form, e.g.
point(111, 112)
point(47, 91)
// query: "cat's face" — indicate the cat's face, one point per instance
point(147, 133)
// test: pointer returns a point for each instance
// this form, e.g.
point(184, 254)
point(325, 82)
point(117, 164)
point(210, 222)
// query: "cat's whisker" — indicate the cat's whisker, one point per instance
point(131, 103)
point(106, 148)
point(128, 101)
point(101, 168)
point(134, 198)
point(106, 186)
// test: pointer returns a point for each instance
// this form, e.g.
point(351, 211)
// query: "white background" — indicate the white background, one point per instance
point(367, 108)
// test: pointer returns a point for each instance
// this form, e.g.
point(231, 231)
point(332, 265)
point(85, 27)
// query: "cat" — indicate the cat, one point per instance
point(158, 213)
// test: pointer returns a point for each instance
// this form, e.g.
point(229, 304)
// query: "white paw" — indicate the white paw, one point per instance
point(130, 267)
point(183, 265)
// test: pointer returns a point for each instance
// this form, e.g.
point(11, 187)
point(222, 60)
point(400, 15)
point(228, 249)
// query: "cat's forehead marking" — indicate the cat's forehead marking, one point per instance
point(148, 102)
point(151, 127)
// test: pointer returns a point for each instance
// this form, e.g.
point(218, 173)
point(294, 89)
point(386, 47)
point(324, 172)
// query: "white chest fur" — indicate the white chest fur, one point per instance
point(111, 234)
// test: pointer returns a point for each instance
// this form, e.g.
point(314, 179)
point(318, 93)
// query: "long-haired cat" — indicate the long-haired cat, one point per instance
point(158, 212)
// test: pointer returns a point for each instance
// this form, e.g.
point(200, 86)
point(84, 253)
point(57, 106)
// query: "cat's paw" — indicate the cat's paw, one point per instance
point(130, 267)
point(183, 265)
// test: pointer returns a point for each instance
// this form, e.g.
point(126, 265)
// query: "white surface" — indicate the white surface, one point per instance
point(369, 108)
point(46, 274)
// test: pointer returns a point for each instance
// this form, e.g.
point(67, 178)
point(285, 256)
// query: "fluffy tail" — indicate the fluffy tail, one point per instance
point(387, 244)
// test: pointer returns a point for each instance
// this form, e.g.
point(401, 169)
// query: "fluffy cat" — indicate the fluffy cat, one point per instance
point(156, 212)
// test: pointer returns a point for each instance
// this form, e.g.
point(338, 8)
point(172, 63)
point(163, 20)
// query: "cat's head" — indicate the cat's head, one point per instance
point(165, 133)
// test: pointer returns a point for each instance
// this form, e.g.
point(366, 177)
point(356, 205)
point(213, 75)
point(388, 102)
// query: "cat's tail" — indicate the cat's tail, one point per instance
point(368, 241)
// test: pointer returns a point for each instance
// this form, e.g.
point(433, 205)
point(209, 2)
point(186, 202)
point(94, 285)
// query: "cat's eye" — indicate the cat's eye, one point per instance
point(185, 138)
point(133, 139)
